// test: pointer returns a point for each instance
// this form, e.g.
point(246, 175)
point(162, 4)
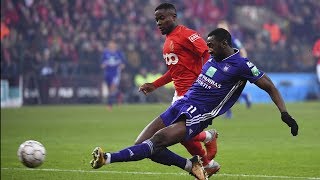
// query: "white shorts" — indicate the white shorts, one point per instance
point(176, 97)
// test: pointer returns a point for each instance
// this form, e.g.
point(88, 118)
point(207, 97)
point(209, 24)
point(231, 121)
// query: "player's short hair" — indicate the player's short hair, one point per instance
point(166, 6)
point(221, 35)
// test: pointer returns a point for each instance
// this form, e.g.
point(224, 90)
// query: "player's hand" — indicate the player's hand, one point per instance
point(147, 88)
point(290, 122)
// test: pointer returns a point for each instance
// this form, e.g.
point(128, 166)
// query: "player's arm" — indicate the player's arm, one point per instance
point(161, 81)
point(103, 64)
point(242, 49)
point(243, 52)
point(267, 85)
point(123, 61)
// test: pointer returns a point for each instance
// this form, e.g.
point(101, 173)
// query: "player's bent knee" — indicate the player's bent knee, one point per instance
point(159, 141)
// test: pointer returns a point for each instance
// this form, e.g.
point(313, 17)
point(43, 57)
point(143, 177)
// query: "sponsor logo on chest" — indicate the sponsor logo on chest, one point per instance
point(171, 58)
point(208, 83)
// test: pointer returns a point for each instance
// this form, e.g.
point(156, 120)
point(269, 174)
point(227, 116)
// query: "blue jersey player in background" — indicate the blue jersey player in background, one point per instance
point(236, 43)
point(113, 61)
point(216, 90)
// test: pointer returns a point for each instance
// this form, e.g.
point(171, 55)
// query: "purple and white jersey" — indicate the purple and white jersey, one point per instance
point(220, 84)
point(215, 91)
point(113, 61)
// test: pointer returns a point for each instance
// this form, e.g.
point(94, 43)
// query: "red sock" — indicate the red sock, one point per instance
point(200, 137)
point(195, 148)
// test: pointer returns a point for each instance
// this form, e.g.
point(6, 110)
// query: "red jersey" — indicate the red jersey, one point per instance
point(184, 52)
point(316, 50)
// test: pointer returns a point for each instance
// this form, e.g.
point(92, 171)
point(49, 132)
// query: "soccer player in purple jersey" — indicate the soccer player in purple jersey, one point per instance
point(216, 89)
point(112, 63)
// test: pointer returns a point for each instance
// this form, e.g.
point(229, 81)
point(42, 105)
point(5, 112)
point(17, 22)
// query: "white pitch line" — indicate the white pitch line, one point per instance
point(158, 173)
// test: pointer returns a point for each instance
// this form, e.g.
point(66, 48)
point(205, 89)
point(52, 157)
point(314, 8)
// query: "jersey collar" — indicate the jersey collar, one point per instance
point(236, 53)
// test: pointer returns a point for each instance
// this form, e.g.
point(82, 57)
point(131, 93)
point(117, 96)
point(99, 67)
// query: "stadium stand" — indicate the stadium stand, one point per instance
point(64, 38)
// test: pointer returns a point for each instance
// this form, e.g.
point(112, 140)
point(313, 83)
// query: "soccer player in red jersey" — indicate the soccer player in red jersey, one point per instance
point(184, 52)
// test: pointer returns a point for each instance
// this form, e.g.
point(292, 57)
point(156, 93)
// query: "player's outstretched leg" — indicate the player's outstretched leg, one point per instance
point(98, 158)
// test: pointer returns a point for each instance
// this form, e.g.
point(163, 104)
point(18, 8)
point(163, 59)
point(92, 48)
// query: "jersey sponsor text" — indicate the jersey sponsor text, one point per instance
point(207, 82)
point(170, 58)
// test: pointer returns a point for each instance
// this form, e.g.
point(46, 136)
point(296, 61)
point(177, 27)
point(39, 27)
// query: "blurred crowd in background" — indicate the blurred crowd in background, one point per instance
point(67, 37)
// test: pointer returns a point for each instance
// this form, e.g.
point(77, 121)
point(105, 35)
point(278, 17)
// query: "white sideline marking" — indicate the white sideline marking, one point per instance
point(157, 173)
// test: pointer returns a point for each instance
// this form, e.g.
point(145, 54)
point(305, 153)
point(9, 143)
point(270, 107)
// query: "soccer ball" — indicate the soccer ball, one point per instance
point(31, 153)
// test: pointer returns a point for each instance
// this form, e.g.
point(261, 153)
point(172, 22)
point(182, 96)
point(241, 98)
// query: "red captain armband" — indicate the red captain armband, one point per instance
point(163, 80)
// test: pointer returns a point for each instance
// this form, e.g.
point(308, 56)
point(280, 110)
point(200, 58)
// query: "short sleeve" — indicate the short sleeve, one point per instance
point(250, 72)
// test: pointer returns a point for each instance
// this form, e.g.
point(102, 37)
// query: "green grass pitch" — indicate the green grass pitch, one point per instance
point(254, 144)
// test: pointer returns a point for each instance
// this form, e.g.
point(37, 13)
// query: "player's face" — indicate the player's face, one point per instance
point(165, 19)
point(215, 48)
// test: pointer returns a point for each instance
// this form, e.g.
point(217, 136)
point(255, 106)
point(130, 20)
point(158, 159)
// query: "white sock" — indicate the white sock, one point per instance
point(208, 137)
point(188, 166)
point(108, 158)
point(212, 164)
point(209, 164)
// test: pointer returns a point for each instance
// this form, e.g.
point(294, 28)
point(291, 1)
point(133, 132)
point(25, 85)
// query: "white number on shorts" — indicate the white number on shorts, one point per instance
point(192, 109)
